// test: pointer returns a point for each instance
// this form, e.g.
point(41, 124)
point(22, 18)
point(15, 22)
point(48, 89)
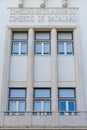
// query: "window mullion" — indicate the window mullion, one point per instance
point(20, 44)
point(67, 107)
point(42, 105)
point(42, 48)
point(65, 48)
point(17, 102)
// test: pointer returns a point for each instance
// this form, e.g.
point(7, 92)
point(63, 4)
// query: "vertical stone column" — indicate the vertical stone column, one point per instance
point(5, 75)
point(6, 70)
point(78, 71)
point(30, 70)
point(54, 71)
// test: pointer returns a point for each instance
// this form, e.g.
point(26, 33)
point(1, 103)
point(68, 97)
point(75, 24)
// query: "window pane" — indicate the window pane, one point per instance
point(45, 93)
point(46, 106)
point(17, 93)
point(46, 48)
point(64, 36)
point(38, 48)
point(66, 93)
point(21, 106)
point(69, 48)
point(43, 36)
point(15, 48)
point(60, 48)
point(62, 106)
point(37, 105)
point(23, 48)
point(12, 106)
point(19, 36)
point(71, 105)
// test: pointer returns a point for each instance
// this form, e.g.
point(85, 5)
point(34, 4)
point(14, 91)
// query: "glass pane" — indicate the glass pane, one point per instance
point(15, 48)
point(46, 106)
point(62, 106)
point(19, 36)
point(23, 48)
point(65, 36)
point(71, 105)
point(37, 105)
point(60, 48)
point(69, 48)
point(38, 48)
point(46, 48)
point(21, 106)
point(17, 93)
point(12, 106)
point(42, 93)
point(69, 93)
point(43, 36)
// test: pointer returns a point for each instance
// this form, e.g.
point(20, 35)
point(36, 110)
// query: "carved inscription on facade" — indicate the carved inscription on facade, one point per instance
point(43, 15)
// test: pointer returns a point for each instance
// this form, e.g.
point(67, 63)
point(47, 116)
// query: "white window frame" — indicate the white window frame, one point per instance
point(17, 104)
point(65, 42)
point(42, 41)
point(19, 48)
point(67, 99)
point(17, 100)
point(67, 105)
point(19, 42)
point(42, 100)
point(42, 48)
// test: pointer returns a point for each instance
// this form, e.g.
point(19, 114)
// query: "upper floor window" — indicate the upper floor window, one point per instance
point(42, 43)
point(19, 43)
point(42, 103)
point(67, 103)
point(65, 43)
point(17, 100)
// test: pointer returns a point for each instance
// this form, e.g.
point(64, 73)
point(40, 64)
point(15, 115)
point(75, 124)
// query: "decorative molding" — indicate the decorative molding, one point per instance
point(17, 84)
point(42, 3)
point(21, 3)
point(64, 3)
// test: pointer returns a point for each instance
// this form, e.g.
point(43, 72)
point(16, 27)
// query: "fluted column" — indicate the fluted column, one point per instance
point(30, 67)
point(54, 70)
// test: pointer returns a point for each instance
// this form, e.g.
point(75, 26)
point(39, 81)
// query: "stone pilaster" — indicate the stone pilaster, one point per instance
point(30, 71)
point(78, 71)
point(54, 70)
point(6, 70)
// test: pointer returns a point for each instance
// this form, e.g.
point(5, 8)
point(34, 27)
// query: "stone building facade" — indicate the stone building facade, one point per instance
point(43, 54)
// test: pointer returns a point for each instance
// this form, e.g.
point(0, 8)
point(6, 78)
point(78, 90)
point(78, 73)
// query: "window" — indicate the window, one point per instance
point(42, 103)
point(65, 43)
point(17, 101)
point(42, 43)
point(67, 103)
point(19, 43)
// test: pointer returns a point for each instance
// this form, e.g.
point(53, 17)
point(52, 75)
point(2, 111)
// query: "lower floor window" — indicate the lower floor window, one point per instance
point(67, 101)
point(17, 105)
point(66, 106)
point(42, 101)
point(43, 107)
point(17, 101)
